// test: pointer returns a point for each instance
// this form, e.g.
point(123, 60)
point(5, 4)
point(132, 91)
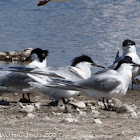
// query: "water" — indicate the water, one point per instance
point(68, 29)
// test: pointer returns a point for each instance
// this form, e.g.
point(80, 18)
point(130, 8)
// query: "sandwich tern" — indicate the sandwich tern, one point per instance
point(79, 69)
point(18, 82)
point(105, 85)
point(129, 49)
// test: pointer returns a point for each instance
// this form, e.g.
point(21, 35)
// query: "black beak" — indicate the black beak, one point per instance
point(135, 65)
point(96, 65)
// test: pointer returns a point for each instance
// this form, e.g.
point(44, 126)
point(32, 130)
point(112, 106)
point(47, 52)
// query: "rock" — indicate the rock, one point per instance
point(11, 53)
point(138, 113)
point(27, 108)
point(100, 104)
point(7, 56)
point(56, 114)
point(128, 109)
point(62, 107)
point(37, 105)
point(28, 51)
point(82, 113)
point(79, 104)
point(134, 115)
point(90, 106)
point(97, 121)
point(71, 120)
point(116, 102)
point(121, 133)
point(96, 113)
point(69, 115)
point(134, 107)
point(46, 118)
point(31, 115)
point(15, 56)
point(136, 138)
point(125, 109)
point(2, 53)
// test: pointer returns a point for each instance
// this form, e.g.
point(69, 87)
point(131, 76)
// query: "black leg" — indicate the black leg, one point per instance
point(29, 98)
point(132, 85)
point(65, 103)
point(24, 100)
point(53, 103)
point(106, 108)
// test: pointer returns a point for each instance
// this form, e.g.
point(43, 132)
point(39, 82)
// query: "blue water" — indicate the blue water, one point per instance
point(68, 29)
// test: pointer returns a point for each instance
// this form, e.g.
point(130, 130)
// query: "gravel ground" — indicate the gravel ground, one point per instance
point(91, 122)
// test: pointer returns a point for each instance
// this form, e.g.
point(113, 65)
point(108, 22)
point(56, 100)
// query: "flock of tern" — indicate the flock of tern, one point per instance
point(64, 82)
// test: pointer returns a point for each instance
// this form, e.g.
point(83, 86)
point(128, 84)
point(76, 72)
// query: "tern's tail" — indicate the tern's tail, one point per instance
point(4, 89)
point(117, 54)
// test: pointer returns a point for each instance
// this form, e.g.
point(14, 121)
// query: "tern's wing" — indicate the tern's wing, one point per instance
point(118, 59)
point(22, 68)
point(18, 81)
point(75, 73)
point(99, 84)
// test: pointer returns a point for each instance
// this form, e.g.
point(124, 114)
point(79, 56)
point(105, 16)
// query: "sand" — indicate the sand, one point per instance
point(52, 123)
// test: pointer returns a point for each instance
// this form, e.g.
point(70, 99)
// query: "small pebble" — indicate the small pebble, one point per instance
point(37, 105)
point(97, 121)
point(31, 115)
point(134, 115)
point(96, 113)
point(79, 104)
point(71, 120)
point(27, 108)
point(136, 138)
point(125, 109)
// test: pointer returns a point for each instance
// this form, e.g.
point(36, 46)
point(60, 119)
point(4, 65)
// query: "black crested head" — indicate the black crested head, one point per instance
point(126, 59)
point(128, 42)
point(42, 54)
point(82, 58)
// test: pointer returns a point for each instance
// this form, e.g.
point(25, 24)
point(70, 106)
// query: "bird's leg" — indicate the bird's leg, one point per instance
point(108, 105)
point(28, 97)
point(65, 103)
point(106, 108)
point(24, 100)
point(107, 102)
point(132, 85)
point(53, 103)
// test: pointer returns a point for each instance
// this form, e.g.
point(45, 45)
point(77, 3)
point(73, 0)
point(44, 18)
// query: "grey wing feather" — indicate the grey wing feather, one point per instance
point(100, 85)
point(16, 80)
point(75, 73)
point(118, 59)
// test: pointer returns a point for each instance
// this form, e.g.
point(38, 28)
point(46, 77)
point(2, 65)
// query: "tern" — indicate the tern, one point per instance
point(129, 49)
point(79, 69)
point(18, 82)
point(105, 85)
